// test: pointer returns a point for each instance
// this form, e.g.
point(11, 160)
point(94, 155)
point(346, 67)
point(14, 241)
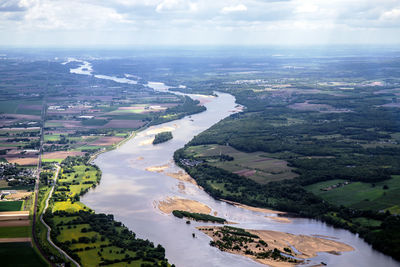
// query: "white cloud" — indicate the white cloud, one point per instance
point(230, 9)
point(393, 14)
point(180, 21)
point(307, 8)
point(176, 5)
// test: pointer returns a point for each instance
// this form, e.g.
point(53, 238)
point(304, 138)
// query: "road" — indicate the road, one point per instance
point(36, 190)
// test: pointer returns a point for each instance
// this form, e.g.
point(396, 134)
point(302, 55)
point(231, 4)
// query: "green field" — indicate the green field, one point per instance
point(362, 195)
point(17, 107)
point(52, 137)
point(9, 106)
point(94, 122)
point(88, 147)
point(53, 124)
point(257, 166)
point(15, 231)
point(19, 254)
point(52, 160)
point(11, 205)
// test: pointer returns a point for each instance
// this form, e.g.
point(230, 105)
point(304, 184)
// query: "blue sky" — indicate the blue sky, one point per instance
point(198, 22)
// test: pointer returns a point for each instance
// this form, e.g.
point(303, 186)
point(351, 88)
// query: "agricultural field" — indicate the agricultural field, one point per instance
point(20, 254)
point(257, 166)
point(11, 205)
point(378, 196)
point(92, 239)
point(15, 231)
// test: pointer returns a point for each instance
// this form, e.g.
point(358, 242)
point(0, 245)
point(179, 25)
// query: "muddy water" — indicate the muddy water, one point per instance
point(130, 192)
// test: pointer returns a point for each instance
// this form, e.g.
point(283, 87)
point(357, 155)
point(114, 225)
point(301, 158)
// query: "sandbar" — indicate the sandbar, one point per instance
point(182, 176)
point(279, 219)
point(175, 203)
point(306, 246)
point(146, 142)
point(160, 130)
point(158, 168)
point(264, 210)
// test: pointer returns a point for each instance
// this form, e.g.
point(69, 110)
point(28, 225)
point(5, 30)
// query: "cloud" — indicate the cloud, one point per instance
point(197, 21)
point(230, 9)
point(13, 5)
point(176, 5)
point(393, 14)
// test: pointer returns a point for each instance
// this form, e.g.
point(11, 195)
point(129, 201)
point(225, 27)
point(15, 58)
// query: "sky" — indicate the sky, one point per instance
point(85, 23)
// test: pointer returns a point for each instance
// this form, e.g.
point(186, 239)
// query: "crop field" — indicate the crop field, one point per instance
point(15, 231)
point(124, 123)
point(362, 195)
point(52, 137)
point(257, 165)
point(19, 254)
point(11, 205)
point(60, 154)
point(21, 107)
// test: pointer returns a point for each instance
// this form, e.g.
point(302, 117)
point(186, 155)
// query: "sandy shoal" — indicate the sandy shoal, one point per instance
point(279, 219)
point(146, 142)
point(175, 203)
point(307, 246)
point(158, 168)
point(159, 130)
point(239, 205)
point(181, 176)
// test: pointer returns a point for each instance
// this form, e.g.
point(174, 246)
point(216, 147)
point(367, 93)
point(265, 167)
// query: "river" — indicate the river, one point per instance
point(130, 192)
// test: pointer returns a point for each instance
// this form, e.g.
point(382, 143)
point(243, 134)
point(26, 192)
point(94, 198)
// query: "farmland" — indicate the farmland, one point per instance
point(377, 196)
point(20, 254)
point(258, 166)
point(92, 239)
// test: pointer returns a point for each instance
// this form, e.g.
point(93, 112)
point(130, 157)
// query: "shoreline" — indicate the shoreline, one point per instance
point(256, 209)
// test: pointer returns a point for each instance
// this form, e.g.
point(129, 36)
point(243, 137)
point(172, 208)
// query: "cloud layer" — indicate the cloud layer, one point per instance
point(188, 22)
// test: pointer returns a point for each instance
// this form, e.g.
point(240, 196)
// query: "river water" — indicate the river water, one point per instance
point(130, 192)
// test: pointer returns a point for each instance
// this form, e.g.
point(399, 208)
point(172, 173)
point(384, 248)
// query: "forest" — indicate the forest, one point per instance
point(333, 134)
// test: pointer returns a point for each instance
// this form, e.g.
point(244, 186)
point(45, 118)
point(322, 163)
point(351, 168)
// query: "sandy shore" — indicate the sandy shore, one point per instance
point(279, 219)
point(182, 176)
point(158, 168)
point(306, 246)
point(179, 175)
point(160, 130)
point(253, 208)
point(175, 203)
point(147, 142)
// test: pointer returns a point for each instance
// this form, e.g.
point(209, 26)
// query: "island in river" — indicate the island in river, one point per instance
point(271, 247)
point(162, 137)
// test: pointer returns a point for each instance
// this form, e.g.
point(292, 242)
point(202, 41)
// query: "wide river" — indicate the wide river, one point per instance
point(130, 192)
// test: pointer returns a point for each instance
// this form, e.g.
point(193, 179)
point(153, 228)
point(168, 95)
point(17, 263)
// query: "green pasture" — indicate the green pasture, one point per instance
point(362, 195)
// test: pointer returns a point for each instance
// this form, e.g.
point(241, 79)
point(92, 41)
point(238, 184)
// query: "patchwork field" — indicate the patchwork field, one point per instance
point(257, 166)
point(362, 195)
